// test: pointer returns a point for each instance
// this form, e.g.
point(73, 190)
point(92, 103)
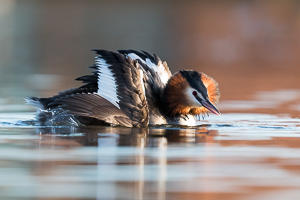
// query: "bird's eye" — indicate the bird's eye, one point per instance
point(194, 93)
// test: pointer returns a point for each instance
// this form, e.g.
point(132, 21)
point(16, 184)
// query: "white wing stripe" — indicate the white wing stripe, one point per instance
point(159, 68)
point(107, 87)
point(135, 57)
point(142, 81)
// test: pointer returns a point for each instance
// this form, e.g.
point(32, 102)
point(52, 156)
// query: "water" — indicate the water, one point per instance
point(235, 156)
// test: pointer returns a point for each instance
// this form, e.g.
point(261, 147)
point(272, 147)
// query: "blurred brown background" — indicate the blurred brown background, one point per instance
point(247, 46)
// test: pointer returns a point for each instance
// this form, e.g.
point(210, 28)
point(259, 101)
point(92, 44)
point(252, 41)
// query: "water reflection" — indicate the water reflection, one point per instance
point(120, 136)
point(207, 162)
point(101, 163)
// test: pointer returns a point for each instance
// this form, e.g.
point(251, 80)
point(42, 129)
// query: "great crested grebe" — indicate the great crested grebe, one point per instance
point(133, 88)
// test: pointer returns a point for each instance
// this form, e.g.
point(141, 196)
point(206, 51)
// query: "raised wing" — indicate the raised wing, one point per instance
point(114, 93)
point(120, 81)
point(156, 76)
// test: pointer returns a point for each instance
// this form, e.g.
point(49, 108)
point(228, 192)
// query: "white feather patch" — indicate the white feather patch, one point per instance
point(159, 68)
point(107, 87)
point(191, 121)
point(142, 81)
point(135, 57)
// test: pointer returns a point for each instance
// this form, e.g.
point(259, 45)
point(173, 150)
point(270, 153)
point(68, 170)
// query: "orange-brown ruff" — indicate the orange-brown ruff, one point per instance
point(177, 100)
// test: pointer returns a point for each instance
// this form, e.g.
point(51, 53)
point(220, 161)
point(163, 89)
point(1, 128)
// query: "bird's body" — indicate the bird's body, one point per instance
point(133, 88)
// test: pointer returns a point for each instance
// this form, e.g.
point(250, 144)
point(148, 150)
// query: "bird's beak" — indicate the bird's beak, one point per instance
point(209, 106)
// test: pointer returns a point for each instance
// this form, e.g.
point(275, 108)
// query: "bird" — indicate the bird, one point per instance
point(133, 88)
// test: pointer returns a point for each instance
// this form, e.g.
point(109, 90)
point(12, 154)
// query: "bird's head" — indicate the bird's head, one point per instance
point(191, 92)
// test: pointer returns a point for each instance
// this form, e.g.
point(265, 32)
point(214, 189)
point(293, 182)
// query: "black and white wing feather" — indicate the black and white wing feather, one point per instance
point(156, 75)
point(151, 64)
point(120, 82)
point(114, 94)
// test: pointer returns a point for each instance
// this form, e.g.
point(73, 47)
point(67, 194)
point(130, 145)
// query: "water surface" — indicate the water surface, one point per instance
point(235, 156)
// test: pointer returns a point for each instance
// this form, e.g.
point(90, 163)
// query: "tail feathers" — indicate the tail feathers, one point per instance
point(35, 101)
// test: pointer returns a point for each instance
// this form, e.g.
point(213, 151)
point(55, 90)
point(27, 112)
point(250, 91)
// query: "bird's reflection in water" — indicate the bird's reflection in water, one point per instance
point(127, 163)
point(120, 136)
